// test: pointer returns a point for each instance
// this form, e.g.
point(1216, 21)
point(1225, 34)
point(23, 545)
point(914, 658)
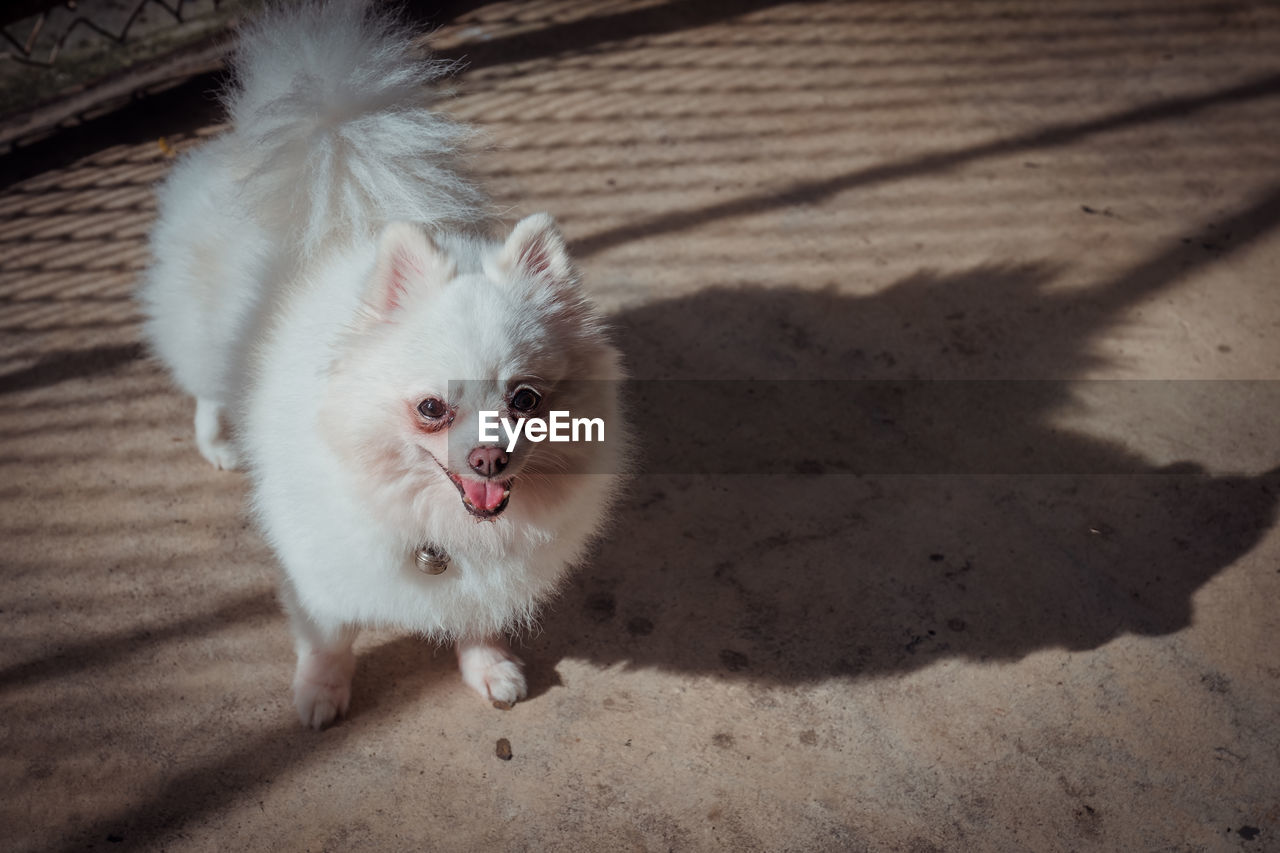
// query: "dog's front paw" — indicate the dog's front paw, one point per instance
point(220, 453)
point(322, 687)
point(490, 669)
point(213, 436)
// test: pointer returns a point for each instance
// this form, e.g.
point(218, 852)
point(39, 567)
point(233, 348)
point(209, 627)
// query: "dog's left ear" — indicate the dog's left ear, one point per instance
point(408, 261)
point(536, 250)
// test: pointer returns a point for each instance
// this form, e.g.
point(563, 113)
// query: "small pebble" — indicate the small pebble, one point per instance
point(503, 750)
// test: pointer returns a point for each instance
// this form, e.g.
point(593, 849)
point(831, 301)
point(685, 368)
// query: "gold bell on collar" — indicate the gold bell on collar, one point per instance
point(432, 559)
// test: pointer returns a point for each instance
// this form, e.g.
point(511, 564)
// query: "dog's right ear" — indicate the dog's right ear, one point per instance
point(536, 250)
point(408, 262)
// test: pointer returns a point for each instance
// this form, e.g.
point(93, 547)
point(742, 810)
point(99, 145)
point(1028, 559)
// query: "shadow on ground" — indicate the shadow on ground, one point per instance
point(394, 675)
point(868, 520)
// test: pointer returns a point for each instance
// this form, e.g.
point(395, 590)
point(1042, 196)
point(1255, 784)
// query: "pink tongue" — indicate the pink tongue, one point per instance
point(483, 494)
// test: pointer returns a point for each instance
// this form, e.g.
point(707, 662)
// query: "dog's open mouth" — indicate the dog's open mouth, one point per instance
point(482, 498)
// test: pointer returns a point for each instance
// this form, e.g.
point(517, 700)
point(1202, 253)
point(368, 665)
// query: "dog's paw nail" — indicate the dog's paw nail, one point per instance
point(505, 683)
point(322, 688)
point(318, 708)
point(220, 454)
point(491, 670)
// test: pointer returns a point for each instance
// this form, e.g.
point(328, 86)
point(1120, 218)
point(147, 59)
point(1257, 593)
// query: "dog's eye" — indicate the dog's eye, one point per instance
point(433, 408)
point(525, 400)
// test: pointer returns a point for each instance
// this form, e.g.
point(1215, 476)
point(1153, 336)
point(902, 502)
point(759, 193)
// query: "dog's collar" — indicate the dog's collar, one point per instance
point(432, 559)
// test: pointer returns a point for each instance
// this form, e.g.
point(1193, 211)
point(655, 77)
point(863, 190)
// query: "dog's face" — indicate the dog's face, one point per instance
point(450, 332)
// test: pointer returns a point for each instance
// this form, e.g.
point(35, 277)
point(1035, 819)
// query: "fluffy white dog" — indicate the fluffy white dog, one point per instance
point(323, 286)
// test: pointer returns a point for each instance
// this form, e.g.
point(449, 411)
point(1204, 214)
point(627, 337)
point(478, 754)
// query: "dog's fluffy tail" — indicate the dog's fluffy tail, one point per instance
point(329, 102)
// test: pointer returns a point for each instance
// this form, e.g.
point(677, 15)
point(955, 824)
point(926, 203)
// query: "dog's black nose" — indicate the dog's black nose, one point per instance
point(487, 461)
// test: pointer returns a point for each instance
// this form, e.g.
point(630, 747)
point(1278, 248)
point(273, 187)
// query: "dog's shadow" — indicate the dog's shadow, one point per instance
point(833, 516)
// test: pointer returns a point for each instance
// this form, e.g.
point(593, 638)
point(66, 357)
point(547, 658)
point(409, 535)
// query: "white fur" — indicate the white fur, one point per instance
point(321, 269)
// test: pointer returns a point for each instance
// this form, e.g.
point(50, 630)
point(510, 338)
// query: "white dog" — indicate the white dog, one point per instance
point(323, 286)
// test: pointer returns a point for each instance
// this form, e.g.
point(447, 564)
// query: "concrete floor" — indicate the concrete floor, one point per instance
point(1013, 615)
